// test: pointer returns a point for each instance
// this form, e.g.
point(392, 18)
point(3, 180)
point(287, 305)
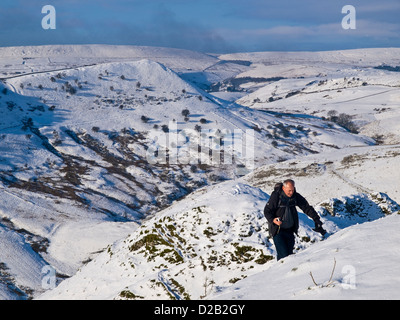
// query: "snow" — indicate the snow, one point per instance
point(205, 232)
point(40, 58)
point(82, 238)
point(188, 219)
point(366, 268)
point(14, 251)
point(81, 192)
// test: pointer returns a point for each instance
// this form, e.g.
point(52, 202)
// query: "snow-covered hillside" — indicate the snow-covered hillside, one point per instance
point(356, 263)
point(31, 59)
point(101, 142)
point(356, 83)
point(202, 246)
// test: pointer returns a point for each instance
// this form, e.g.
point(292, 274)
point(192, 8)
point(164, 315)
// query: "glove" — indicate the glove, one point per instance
point(318, 228)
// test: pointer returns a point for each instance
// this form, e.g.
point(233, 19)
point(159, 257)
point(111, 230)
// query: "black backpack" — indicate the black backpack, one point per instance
point(278, 186)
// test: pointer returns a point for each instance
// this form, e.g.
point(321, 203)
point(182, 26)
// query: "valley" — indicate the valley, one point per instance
point(140, 172)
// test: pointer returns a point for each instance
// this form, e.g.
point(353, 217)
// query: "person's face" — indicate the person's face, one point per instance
point(288, 190)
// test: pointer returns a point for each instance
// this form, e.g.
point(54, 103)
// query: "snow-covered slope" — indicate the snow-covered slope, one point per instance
point(355, 57)
point(203, 245)
point(29, 59)
point(356, 263)
point(210, 241)
point(96, 140)
point(181, 250)
point(361, 84)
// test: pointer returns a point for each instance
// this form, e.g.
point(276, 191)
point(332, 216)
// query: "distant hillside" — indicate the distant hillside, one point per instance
point(97, 142)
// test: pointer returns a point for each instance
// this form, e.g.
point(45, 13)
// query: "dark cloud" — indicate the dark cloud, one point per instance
point(169, 30)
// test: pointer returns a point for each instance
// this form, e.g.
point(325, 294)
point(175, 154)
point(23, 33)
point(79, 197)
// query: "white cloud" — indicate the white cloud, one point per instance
point(364, 28)
point(377, 29)
point(379, 7)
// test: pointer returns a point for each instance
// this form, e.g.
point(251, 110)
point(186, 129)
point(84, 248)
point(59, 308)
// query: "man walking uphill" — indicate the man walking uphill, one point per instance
point(283, 219)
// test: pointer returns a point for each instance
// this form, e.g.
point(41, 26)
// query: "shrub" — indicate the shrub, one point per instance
point(69, 88)
point(165, 128)
point(185, 112)
point(344, 120)
point(145, 119)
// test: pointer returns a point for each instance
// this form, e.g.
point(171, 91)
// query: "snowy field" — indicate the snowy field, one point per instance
point(142, 173)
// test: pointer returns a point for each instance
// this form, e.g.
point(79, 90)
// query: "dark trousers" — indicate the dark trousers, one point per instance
point(284, 243)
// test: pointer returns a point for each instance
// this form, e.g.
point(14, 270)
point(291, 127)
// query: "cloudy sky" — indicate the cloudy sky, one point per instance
point(204, 25)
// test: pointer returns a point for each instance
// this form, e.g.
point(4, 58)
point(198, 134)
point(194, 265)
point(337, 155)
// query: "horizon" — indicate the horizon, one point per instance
point(229, 26)
point(210, 53)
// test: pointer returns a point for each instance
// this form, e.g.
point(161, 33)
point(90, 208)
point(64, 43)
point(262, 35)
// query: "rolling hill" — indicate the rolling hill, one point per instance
point(141, 158)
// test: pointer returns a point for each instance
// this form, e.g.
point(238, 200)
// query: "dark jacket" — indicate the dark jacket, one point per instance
point(276, 207)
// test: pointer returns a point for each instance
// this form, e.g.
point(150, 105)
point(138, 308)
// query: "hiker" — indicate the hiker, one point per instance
point(283, 219)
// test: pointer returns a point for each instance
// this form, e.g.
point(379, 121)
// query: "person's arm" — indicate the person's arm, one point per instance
point(303, 204)
point(270, 209)
point(310, 211)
